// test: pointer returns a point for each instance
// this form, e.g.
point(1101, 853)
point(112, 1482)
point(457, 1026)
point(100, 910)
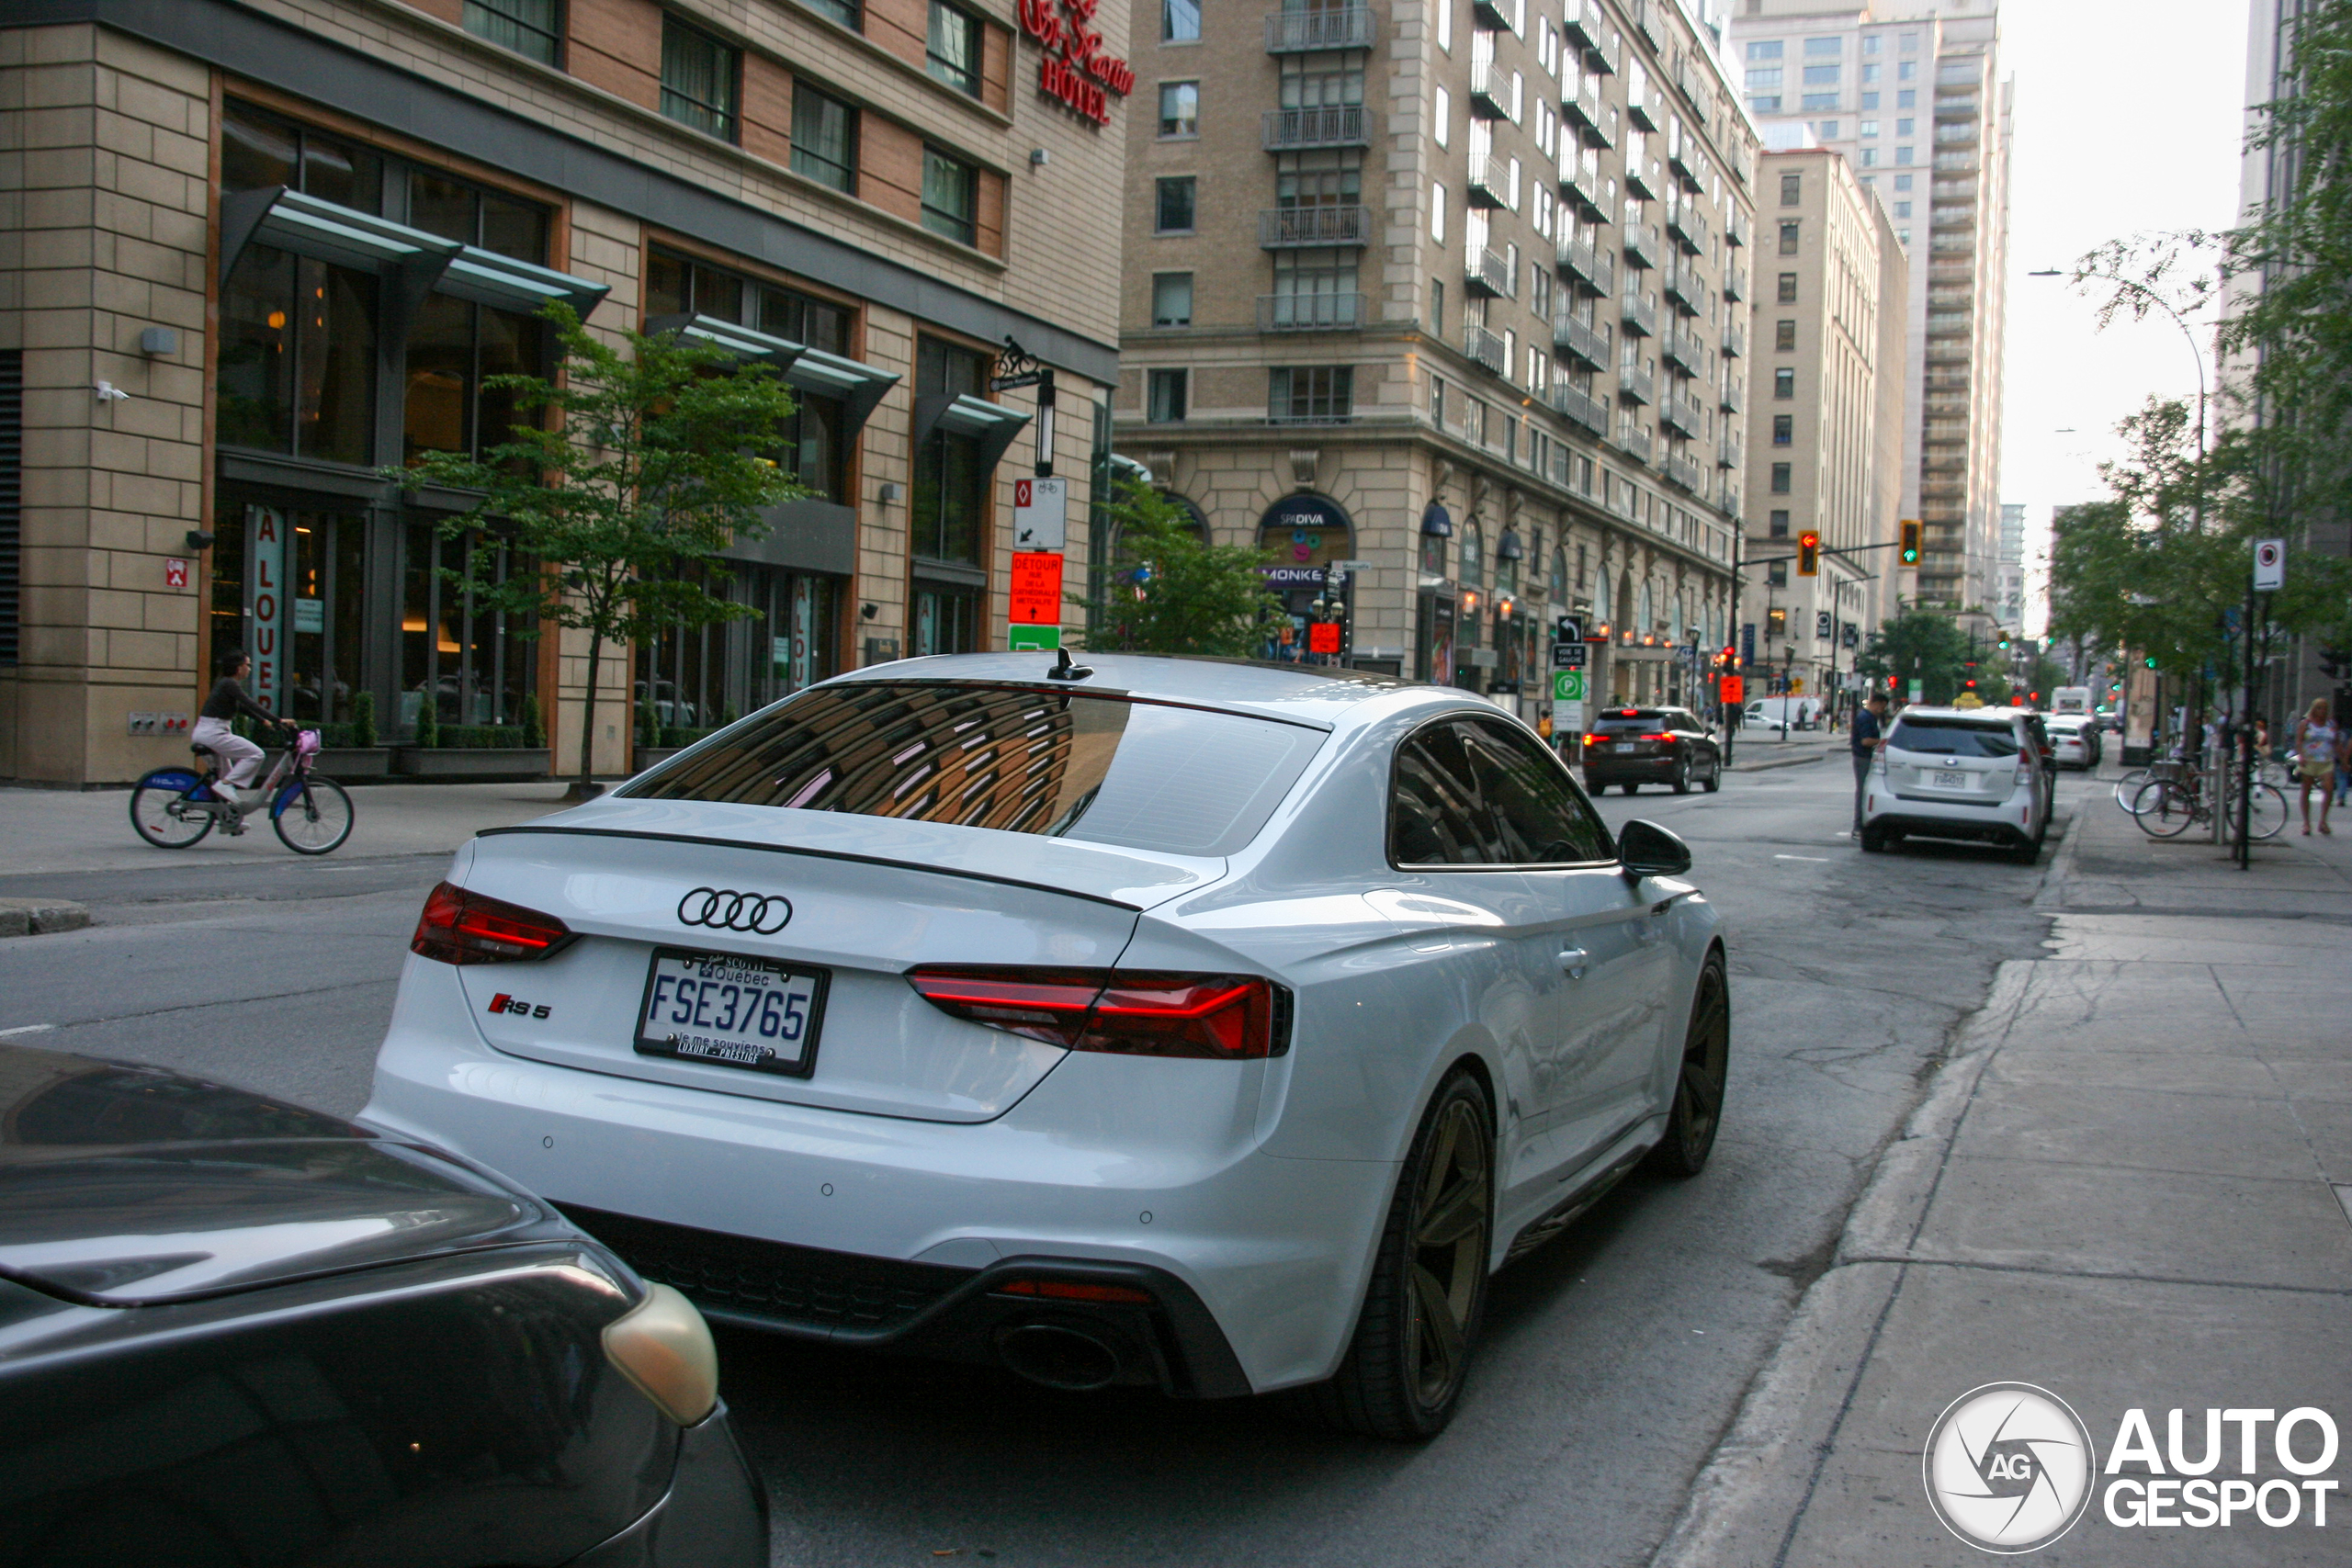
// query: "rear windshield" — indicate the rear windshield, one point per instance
point(1640, 718)
point(1066, 764)
point(1955, 737)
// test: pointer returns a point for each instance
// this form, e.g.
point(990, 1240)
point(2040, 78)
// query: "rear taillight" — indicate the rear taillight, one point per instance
point(1076, 1290)
point(1654, 737)
point(458, 926)
point(1128, 1011)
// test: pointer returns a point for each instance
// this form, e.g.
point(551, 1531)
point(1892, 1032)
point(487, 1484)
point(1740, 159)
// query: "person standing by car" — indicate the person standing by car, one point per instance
point(2317, 740)
point(240, 757)
point(1868, 735)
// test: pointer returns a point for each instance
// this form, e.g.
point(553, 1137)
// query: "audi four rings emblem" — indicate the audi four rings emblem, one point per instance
point(724, 910)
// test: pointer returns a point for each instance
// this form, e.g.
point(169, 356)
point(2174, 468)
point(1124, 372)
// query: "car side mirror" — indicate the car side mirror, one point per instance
point(1644, 848)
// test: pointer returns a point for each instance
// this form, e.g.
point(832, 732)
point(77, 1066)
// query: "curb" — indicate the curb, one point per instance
point(35, 917)
point(1782, 763)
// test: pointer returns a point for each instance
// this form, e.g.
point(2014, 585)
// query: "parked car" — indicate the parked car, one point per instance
point(2074, 741)
point(1632, 747)
point(1783, 713)
point(1960, 773)
point(1168, 1023)
point(235, 1331)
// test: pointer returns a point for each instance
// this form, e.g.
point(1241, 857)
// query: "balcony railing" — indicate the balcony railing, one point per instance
point(1483, 348)
point(1590, 266)
point(1686, 227)
point(1682, 471)
point(1643, 180)
point(1734, 340)
point(1735, 396)
point(1728, 453)
point(1489, 182)
point(1957, 108)
point(1684, 286)
point(1645, 111)
point(1310, 312)
point(1673, 414)
point(1640, 315)
point(1579, 408)
point(1581, 180)
point(1303, 32)
point(1646, 17)
point(1489, 272)
point(1694, 85)
point(1581, 108)
point(1285, 228)
point(1957, 135)
point(1491, 96)
point(1587, 25)
point(1580, 341)
point(1635, 440)
point(1731, 502)
point(1636, 383)
point(1680, 349)
point(1642, 249)
point(1337, 125)
point(1734, 229)
point(1955, 163)
point(1734, 284)
point(1957, 216)
point(1510, 15)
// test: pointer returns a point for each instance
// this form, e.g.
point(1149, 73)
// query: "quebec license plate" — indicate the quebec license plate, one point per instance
point(732, 1011)
point(1952, 781)
point(1623, 746)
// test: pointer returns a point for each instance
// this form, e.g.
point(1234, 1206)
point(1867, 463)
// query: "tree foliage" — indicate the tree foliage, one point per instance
point(640, 470)
point(1922, 646)
point(1169, 591)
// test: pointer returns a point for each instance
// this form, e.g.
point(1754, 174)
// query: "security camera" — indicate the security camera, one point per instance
point(110, 393)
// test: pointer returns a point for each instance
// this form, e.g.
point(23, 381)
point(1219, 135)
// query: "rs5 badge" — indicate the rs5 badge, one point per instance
point(505, 1003)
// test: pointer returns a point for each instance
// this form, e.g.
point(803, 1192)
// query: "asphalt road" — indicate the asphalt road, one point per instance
point(1612, 1360)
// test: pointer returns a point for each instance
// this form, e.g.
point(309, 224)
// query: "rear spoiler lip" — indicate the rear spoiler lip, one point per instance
point(825, 854)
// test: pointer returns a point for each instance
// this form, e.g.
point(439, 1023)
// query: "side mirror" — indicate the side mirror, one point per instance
point(1644, 848)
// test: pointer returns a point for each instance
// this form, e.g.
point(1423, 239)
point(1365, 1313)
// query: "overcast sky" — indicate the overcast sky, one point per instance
point(2128, 119)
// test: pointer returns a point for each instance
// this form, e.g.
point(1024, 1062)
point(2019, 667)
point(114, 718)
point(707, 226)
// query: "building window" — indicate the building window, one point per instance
point(1437, 402)
point(1821, 75)
point(1866, 101)
point(1180, 21)
point(1781, 479)
point(297, 357)
point(1165, 399)
point(1822, 46)
point(952, 48)
point(1776, 575)
point(1768, 104)
point(1869, 157)
point(1179, 108)
point(1784, 382)
point(1441, 127)
point(949, 487)
point(1437, 212)
point(824, 138)
point(1788, 290)
point(1788, 233)
point(1174, 214)
point(1826, 129)
point(1908, 98)
point(1765, 51)
point(1903, 127)
point(1437, 306)
point(1902, 154)
point(699, 77)
point(1903, 210)
point(528, 27)
point(1784, 335)
point(846, 12)
point(1323, 394)
point(1172, 300)
point(1780, 524)
point(1907, 71)
point(1784, 429)
point(1820, 101)
point(951, 196)
point(1791, 189)
point(1445, 24)
point(1903, 182)
point(1764, 80)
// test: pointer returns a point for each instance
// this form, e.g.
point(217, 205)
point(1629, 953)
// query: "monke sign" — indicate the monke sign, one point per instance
point(1075, 69)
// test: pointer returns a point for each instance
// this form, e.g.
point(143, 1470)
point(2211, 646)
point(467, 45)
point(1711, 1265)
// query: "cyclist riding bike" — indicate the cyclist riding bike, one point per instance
point(240, 757)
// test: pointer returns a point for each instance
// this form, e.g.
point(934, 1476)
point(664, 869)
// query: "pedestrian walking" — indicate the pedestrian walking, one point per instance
point(1868, 734)
point(2317, 740)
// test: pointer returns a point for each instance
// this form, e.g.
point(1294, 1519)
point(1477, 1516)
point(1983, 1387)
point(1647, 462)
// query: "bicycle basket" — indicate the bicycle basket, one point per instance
point(306, 742)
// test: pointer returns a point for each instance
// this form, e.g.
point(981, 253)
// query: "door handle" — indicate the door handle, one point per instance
point(1573, 961)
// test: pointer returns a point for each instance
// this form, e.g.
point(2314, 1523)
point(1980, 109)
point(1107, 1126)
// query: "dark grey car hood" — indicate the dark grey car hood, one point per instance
point(123, 1186)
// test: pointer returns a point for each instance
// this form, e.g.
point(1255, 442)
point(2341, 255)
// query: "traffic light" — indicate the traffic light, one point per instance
point(1910, 544)
point(2151, 662)
point(1808, 554)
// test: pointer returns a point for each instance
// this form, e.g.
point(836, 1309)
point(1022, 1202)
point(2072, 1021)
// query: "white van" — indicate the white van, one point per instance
point(1783, 713)
point(2070, 699)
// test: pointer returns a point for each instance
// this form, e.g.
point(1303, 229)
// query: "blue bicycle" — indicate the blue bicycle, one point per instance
point(174, 808)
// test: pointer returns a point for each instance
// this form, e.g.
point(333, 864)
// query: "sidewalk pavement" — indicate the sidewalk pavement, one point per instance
point(2130, 1183)
point(72, 830)
point(1757, 749)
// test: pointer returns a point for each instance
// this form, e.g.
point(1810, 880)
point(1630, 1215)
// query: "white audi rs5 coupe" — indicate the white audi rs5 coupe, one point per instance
point(1181, 1023)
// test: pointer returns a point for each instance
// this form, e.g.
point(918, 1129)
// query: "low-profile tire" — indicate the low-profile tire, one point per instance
point(1682, 776)
point(1873, 840)
point(1630, 788)
point(1714, 778)
point(2026, 852)
point(1699, 1078)
point(1401, 1377)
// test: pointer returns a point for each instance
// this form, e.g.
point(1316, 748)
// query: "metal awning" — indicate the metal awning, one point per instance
point(737, 340)
point(990, 426)
point(488, 278)
point(288, 221)
point(860, 387)
point(1436, 521)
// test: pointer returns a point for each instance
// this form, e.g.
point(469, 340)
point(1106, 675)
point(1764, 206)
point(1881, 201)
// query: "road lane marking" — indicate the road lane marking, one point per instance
point(27, 1029)
point(1822, 859)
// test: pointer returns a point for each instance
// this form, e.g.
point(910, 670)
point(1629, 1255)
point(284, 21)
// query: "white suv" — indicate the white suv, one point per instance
point(1959, 773)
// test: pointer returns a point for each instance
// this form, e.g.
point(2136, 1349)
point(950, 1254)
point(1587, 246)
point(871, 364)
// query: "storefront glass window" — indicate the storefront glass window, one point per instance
point(476, 665)
point(950, 488)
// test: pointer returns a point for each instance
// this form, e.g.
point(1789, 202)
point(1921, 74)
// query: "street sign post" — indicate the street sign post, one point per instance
point(1568, 655)
point(1041, 515)
point(1732, 691)
point(1567, 629)
point(2270, 565)
point(1567, 685)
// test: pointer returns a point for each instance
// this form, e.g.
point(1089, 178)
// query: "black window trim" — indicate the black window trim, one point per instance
point(1498, 719)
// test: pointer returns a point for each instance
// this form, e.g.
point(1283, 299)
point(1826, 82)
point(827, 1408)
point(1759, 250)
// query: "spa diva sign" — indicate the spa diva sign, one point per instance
point(1075, 69)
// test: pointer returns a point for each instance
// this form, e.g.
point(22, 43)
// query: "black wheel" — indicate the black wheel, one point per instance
point(1698, 1087)
point(1873, 840)
point(159, 815)
point(317, 819)
point(1630, 788)
point(1402, 1376)
point(2026, 852)
point(1714, 776)
point(1682, 776)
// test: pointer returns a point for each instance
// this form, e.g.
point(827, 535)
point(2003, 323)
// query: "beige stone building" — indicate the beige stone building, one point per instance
point(254, 253)
point(1909, 91)
point(1825, 428)
point(1456, 290)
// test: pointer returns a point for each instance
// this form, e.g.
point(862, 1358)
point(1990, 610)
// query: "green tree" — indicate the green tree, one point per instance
point(1171, 591)
point(1919, 645)
point(641, 467)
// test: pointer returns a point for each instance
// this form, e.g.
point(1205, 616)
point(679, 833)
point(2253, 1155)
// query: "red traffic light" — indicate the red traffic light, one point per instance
point(1808, 554)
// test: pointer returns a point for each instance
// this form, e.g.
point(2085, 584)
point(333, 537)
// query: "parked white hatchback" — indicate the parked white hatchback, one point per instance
point(1974, 773)
point(1179, 1022)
